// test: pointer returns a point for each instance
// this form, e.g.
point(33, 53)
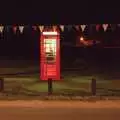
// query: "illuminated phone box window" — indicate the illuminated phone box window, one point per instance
point(50, 50)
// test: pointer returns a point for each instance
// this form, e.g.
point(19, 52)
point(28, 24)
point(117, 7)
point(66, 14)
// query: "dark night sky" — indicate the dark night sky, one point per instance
point(30, 12)
point(58, 12)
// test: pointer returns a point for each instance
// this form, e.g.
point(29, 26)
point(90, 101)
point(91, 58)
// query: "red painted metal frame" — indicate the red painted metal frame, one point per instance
point(44, 66)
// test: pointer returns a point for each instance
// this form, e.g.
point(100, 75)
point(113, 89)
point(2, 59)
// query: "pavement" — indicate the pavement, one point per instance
point(59, 110)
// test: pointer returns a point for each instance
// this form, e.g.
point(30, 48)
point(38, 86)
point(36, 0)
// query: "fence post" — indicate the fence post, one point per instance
point(93, 86)
point(1, 84)
point(50, 88)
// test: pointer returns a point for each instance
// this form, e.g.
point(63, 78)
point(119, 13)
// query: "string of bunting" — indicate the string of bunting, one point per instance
point(62, 27)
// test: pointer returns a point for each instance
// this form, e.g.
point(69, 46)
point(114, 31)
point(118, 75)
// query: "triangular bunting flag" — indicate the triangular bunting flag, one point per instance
point(83, 27)
point(54, 27)
point(105, 26)
point(7, 28)
point(34, 27)
point(41, 27)
point(77, 27)
point(14, 29)
point(1, 28)
point(113, 27)
point(97, 27)
point(69, 27)
point(62, 27)
point(118, 25)
point(21, 29)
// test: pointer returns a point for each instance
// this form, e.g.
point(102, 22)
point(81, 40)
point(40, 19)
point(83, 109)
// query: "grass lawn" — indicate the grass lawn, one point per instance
point(71, 83)
point(80, 85)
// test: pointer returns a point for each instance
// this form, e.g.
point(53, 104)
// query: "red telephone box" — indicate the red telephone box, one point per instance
point(50, 55)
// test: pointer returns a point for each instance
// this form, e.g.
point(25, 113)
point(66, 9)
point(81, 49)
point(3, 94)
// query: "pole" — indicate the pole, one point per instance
point(93, 86)
point(50, 89)
point(1, 84)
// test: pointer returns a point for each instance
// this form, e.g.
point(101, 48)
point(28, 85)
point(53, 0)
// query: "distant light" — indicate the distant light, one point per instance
point(50, 33)
point(81, 39)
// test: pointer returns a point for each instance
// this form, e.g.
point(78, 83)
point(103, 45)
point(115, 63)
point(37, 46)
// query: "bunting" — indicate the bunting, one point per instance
point(14, 29)
point(54, 27)
point(41, 27)
point(118, 25)
point(83, 27)
point(1, 28)
point(77, 27)
point(105, 26)
point(62, 27)
point(21, 29)
point(113, 27)
point(69, 27)
point(34, 28)
point(7, 28)
point(97, 27)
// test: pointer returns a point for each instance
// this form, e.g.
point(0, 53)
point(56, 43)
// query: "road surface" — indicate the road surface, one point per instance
point(39, 110)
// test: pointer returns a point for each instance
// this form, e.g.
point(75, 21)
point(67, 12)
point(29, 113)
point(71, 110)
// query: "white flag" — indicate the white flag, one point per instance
point(62, 27)
point(1, 28)
point(105, 26)
point(21, 29)
point(41, 27)
point(83, 27)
